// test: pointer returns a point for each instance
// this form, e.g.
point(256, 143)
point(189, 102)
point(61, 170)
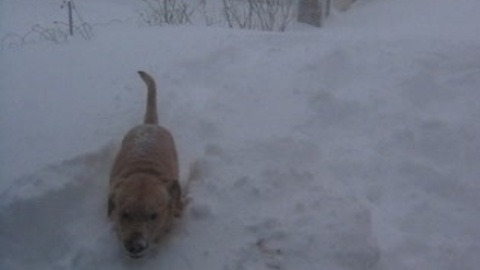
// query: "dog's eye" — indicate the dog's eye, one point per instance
point(153, 216)
point(126, 216)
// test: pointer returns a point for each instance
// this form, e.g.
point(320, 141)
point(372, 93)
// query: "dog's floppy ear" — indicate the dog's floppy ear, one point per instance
point(175, 192)
point(174, 189)
point(111, 204)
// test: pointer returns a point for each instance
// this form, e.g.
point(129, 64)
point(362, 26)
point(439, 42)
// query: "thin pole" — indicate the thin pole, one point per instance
point(329, 5)
point(70, 16)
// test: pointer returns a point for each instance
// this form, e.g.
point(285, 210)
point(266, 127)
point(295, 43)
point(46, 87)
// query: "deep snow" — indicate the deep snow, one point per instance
point(351, 147)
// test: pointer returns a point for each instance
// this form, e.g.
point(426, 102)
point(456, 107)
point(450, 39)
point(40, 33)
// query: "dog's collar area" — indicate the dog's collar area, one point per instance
point(148, 171)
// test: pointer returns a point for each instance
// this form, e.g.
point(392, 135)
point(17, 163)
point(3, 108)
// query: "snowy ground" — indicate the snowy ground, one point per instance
point(351, 147)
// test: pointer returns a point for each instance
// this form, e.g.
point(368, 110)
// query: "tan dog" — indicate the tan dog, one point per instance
point(145, 194)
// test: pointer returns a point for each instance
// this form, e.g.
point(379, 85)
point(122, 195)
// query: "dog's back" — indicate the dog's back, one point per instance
point(148, 147)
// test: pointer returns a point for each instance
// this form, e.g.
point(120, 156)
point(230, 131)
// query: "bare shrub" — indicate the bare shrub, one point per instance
point(205, 14)
point(56, 33)
point(237, 14)
point(266, 15)
point(174, 12)
point(59, 33)
point(53, 34)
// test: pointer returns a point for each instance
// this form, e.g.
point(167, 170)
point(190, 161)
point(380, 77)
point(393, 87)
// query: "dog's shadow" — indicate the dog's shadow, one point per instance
point(54, 217)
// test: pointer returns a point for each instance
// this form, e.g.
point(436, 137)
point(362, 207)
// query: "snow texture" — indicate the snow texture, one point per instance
point(351, 147)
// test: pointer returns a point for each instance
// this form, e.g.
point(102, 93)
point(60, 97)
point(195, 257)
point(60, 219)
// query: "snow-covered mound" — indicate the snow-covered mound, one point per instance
point(352, 147)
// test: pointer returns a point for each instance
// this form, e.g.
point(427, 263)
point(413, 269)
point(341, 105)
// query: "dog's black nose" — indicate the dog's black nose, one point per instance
point(137, 247)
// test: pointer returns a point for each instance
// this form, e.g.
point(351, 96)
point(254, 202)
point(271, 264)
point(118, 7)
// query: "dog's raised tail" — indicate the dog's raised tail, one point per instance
point(151, 116)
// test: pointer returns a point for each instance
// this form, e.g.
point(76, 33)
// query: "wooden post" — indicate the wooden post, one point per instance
point(70, 16)
point(311, 12)
point(328, 6)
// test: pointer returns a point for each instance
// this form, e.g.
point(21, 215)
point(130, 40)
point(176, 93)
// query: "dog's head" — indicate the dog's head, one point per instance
point(142, 208)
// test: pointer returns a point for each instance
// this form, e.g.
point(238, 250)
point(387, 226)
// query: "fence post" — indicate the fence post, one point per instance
point(70, 16)
point(328, 6)
point(311, 12)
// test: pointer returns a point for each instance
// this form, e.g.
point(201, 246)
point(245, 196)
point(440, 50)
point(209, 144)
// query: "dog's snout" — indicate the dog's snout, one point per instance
point(137, 246)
